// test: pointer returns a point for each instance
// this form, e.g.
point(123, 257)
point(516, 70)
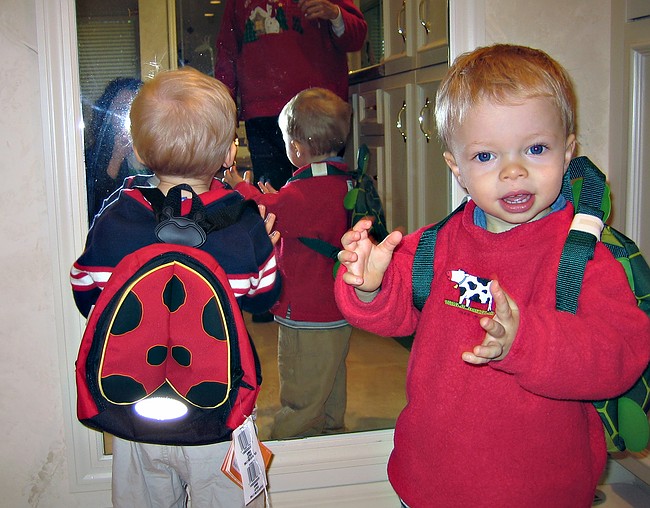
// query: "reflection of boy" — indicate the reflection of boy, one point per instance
point(183, 129)
point(313, 338)
point(506, 422)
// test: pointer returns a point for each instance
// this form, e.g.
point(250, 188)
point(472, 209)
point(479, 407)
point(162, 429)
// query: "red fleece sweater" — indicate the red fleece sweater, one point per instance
point(267, 52)
point(519, 432)
point(313, 208)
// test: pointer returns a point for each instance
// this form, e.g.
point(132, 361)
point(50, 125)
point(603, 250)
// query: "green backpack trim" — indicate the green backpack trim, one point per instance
point(624, 418)
point(361, 201)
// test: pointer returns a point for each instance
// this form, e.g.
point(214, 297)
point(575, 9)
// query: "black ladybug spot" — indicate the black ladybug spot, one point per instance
point(122, 389)
point(156, 355)
point(207, 394)
point(128, 315)
point(182, 356)
point(174, 294)
point(213, 320)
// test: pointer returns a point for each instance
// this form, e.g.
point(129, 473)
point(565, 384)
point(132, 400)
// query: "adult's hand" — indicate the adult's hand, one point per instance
point(319, 9)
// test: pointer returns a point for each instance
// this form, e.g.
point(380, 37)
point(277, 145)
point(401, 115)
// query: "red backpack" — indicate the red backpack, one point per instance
point(165, 357)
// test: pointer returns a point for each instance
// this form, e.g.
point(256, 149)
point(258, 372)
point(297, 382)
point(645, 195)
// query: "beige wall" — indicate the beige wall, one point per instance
point(33, 468)
point(576, 34)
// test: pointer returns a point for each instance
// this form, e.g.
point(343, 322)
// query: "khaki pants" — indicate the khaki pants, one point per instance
point(313, 380)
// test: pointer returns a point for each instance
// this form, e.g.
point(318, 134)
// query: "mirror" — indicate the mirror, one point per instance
point(122, 43)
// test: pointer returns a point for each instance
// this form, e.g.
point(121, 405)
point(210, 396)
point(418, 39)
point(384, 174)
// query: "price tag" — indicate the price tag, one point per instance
point(248, 460)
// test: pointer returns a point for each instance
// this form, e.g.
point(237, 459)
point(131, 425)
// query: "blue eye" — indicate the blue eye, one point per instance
point(483, 156)
point(537, 149)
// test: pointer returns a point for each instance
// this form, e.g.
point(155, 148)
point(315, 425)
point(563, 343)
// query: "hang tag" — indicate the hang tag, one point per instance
point(253, 456)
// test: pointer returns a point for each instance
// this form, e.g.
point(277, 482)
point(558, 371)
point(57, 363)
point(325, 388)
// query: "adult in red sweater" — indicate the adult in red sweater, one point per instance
point(269, 51)
point(499, 386)
point(313, 337)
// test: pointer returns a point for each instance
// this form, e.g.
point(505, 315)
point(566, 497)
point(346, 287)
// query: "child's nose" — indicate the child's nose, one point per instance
point(513, 169)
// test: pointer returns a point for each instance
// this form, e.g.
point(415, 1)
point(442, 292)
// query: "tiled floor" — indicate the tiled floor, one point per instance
point(376, 376)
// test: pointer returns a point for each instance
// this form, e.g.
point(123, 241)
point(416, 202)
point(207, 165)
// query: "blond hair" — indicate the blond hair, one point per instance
point(318, 118)
point(183, 123)
point(502, 73)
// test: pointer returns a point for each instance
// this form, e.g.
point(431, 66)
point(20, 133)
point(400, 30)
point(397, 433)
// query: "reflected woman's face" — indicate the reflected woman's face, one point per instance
point(120, 109)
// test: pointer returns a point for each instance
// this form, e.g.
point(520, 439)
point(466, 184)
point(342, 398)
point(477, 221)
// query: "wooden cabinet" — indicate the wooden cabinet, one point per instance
point(393, 115)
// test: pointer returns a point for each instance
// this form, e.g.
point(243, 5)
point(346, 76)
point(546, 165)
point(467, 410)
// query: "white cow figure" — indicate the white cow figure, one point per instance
point(471, 288)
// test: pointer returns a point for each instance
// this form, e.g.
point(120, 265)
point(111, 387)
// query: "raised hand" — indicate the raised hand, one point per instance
point(365, 261)
point(500, 330)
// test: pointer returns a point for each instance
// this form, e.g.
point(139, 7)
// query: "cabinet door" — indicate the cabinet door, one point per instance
point(397, 117)
point(399, 30)
point(431, 37)
point(430, 170)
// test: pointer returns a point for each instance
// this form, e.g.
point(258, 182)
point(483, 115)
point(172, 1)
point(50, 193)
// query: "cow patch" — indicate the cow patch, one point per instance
point(473, 292)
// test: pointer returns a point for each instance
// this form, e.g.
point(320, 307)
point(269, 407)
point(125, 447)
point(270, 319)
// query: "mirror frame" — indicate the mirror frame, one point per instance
point(354, 462)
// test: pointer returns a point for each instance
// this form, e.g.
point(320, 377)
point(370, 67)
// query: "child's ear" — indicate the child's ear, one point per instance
point(230, 156)
point(451, 162)
point(569, 150)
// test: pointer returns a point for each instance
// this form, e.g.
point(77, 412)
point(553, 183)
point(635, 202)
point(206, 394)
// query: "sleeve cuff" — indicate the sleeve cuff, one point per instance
point(338, 26)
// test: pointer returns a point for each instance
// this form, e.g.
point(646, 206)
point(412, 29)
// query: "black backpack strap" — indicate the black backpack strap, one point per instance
point(584, 233)
point(423, 261)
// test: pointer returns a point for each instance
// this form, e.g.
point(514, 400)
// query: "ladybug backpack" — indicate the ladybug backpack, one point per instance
point(624, 418)
point(165, 357)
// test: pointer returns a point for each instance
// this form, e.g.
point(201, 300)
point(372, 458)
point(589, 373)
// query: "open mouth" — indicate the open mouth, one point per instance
point(517, 202)
point(517, 199)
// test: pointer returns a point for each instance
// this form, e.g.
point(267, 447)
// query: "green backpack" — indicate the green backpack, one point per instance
point(362, 200)
point(625, 417)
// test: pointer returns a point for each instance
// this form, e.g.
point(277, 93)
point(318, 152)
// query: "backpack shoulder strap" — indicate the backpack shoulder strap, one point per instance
point(585, 230)
point(423, 261)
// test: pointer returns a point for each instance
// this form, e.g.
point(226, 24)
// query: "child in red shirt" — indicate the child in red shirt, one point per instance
point(499, 391)
point(313, 337)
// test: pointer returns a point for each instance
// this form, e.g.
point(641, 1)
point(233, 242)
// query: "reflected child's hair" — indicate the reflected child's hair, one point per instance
point(503, 74)
point(318, 118)
point(183, 123)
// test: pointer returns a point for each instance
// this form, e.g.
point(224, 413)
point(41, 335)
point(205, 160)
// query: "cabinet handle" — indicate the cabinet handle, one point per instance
point(400, 21)
point(422, 118)
point(400, 123)
point(422, 15)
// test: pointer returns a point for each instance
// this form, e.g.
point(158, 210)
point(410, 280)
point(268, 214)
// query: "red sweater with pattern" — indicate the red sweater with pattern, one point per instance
point(267, 52)
point(517, 432)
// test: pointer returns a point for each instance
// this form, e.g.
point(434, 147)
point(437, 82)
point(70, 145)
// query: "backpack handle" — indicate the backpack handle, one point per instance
point(191, 229)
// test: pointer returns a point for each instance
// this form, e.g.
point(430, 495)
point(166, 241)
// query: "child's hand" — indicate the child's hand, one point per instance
point(269, 222)
point(232, 177)
point(266, 188)
point(366, 262)
point(500, 330)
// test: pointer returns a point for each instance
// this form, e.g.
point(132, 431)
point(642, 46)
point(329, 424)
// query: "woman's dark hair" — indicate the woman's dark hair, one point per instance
point(100, 140)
